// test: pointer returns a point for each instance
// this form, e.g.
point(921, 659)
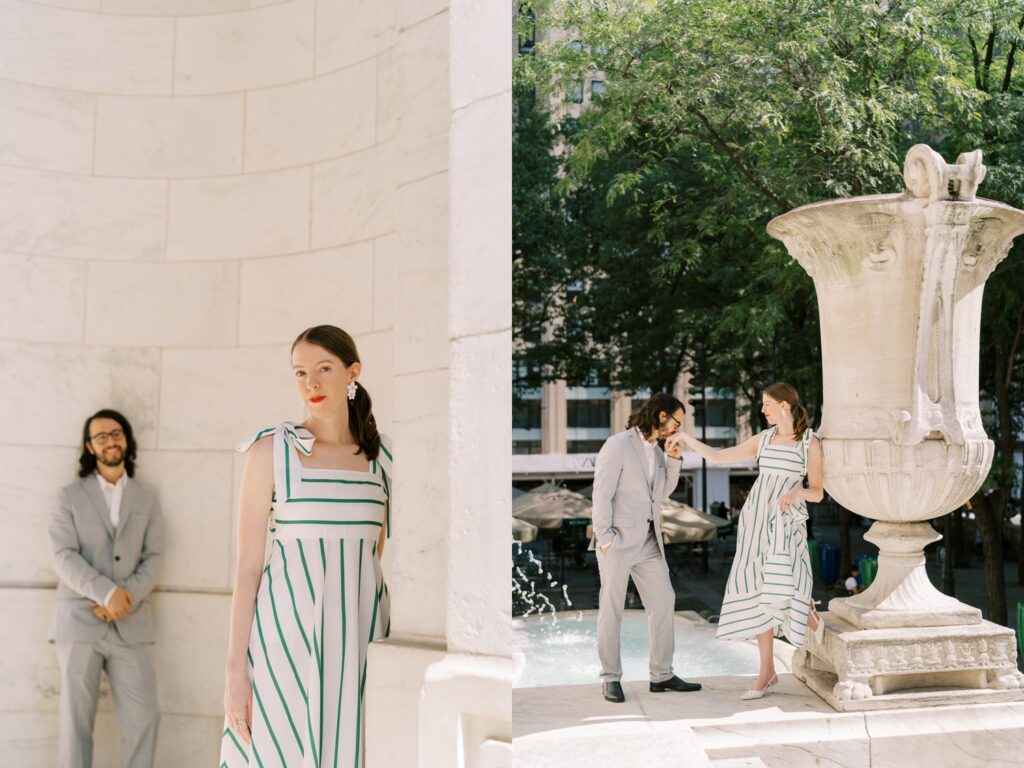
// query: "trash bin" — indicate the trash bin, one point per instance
point(869, 569)
point(812, 551)
point(1020, 628)
point(860, 568)
point(829, 562)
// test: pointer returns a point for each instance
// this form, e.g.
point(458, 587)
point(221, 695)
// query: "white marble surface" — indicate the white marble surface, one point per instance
point(240, 51)
point(418, 567)
point(46, 128)
point(349, 31)
point(421, 77)
point(311, 120)
point(385, 252)
point(41, 298)
point(787, 729)
point(172, 7)
point(281, 296)
point(480, 28)
point(105, 377)
point(481, 206)
point(46, 214)
point(215, 398)
point(239, 217)
point(422, 283)
point(477, 520)
point(162, 304)
point(85, 51)
point(345, 213)
point(28, 496)
point(194, 489)
point(169, 136)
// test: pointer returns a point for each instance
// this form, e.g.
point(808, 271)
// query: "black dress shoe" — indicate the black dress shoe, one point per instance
point(613, 691)
point(674, 684)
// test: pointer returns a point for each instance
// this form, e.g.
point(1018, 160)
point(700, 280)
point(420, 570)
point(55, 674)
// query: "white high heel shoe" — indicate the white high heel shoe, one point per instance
point(754, 693)
point(819, 627)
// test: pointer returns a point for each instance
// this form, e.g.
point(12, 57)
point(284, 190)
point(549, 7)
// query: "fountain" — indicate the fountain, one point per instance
point(899, 280)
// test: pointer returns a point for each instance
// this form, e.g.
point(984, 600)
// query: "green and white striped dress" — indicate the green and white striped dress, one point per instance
point(770, 582)
point(321, 601)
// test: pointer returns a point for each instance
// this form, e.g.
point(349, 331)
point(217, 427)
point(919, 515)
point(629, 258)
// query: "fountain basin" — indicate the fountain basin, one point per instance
point(561, 649)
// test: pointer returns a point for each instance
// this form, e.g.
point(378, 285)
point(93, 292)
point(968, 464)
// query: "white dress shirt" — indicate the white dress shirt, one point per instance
point(113, 493)
point(651, 458)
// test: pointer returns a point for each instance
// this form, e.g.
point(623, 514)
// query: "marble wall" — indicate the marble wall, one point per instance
point(185, 185)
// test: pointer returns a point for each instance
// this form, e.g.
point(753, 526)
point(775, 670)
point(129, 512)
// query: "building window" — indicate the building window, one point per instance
point(721, 413)
point(575, 94)
point(592, 414)
point(526, 414)
point(525, 446)
point(597, 89)
point(527, 31)
point(584, 446)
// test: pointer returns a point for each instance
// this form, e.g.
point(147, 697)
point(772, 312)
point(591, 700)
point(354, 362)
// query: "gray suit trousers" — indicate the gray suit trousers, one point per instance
point(133, 682)
point(647, 566)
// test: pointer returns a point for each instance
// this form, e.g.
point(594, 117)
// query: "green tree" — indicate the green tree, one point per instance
point(719, 115)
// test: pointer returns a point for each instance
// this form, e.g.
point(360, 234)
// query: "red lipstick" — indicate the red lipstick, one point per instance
point(317, 399)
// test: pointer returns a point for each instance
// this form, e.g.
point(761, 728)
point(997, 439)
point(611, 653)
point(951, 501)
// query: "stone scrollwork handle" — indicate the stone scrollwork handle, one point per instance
point(927, 175)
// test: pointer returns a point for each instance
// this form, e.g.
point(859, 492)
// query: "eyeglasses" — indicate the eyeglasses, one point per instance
point(102, 438)
point(677, 421)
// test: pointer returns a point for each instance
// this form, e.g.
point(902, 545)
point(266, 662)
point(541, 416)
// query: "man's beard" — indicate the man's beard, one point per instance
point(117, 458)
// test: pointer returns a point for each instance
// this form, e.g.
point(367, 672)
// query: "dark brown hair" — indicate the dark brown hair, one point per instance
point(646, 416)
point(87, 461)
point(361, 423)
point(782, 392)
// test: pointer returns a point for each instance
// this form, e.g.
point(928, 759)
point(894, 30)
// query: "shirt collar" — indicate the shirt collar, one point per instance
point(104, 483)
point(643, 439)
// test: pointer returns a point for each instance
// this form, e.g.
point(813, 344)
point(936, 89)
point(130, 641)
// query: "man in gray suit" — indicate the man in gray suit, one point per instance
point(632, 478)
point(107, 543)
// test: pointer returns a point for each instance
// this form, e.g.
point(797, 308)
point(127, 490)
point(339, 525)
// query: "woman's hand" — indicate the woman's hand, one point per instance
point(238, 704)
point(788, 499)
point(674, 443)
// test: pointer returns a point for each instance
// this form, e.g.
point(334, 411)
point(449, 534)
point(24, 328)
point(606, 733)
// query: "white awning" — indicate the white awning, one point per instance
point(583, 464)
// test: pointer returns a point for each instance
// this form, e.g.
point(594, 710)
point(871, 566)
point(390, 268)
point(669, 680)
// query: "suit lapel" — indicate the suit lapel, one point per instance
point(91, 488)
point(638, 449)
point(659, 472)
point(127, 504)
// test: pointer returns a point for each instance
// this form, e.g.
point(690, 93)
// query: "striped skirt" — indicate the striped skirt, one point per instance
point(321, 602)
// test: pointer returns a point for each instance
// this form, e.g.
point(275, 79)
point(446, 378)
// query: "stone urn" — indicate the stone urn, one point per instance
point(899, 280)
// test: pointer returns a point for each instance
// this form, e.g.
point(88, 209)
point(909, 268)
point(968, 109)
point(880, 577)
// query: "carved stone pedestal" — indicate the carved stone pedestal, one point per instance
point(901, 594)
point(864, 669)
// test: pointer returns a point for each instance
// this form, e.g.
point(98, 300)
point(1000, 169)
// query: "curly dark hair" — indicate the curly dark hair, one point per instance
point(646, 416)
point(87, 461)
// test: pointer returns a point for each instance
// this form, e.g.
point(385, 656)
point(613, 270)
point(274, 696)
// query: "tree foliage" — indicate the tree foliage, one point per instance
point(716, 116)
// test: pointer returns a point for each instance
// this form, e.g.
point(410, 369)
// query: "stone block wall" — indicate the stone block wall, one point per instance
point(184, 186)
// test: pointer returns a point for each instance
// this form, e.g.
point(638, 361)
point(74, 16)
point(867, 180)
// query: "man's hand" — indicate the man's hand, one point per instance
point(120, 604)
point(604, 549)
point(101, 613)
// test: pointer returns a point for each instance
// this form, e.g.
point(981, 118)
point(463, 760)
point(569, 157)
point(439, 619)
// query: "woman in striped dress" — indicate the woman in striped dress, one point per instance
point(302, 620)
point(768, 594)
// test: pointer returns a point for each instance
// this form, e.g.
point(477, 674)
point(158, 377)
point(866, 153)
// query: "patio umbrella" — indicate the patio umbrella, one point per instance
point(686, 513)
point(523, 531)
point(548, 509)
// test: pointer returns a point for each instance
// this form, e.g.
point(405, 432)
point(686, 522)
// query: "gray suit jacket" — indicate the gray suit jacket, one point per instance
point(90, 560)
point(623, 498)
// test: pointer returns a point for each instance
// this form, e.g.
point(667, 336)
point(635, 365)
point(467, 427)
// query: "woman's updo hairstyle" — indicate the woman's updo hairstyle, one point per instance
point(361, 423)
point(781, 392)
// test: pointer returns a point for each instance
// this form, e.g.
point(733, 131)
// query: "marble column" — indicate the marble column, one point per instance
point(439, 688)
